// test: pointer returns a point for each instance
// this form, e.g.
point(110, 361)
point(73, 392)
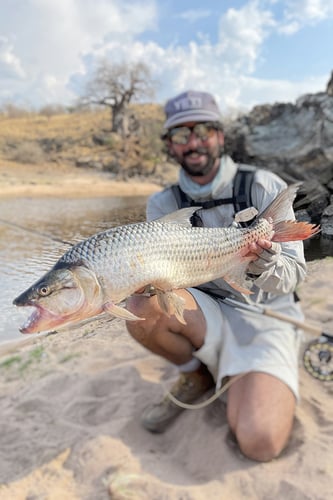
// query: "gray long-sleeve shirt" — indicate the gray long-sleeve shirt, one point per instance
point(287, 268)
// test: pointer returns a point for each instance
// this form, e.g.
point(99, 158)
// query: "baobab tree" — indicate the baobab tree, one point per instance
point(115, 86)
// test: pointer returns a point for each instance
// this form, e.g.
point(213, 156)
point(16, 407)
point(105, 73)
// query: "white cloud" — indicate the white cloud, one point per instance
point(309, 10)
point(48, 40)
point(224, 68)
point(253, 91)
point(194, 15)
point(49, 48)
point(10, 64)
point(300, 13)
point(242, 33)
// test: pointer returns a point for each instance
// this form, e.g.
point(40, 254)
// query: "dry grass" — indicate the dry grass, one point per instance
point(65, 138)
point(34, 126)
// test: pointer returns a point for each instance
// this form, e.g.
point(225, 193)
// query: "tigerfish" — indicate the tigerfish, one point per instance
point(99, 273)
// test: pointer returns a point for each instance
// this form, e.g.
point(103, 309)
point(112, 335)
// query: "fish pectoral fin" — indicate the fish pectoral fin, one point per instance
point(120, 312)
point(236, 277)
point(170, 303)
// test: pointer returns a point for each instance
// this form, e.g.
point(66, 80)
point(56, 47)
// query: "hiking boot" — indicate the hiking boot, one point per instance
point(189, 387)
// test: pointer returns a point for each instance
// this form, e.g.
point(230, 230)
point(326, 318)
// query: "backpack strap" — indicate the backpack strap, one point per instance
point(241, 198)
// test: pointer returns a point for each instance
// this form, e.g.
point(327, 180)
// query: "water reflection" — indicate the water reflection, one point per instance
point(25, 252)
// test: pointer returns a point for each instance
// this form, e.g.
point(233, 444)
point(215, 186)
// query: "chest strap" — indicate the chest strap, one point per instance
point(240, 199)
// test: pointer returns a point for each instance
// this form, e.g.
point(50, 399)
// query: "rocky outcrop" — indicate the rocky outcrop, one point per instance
point(296, 142)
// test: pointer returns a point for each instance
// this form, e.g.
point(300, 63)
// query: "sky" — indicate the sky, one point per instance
point(245, 52)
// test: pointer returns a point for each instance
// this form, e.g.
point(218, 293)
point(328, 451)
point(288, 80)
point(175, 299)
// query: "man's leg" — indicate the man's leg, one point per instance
point(164, 335)
point(174, 341)
point(260, 412)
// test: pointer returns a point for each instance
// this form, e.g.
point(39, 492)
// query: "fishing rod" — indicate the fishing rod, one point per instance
point(318, 354)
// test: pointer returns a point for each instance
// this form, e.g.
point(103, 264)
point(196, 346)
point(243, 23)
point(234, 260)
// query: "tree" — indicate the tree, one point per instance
point(115, 86)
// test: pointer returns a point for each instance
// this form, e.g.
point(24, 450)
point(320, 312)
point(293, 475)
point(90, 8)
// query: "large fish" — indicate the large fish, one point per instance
point(97, 274)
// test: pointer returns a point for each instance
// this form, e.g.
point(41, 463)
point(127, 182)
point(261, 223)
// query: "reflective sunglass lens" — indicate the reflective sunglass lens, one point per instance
point(181, 135)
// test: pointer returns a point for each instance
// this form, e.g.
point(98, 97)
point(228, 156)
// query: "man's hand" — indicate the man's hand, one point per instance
point(265, 254)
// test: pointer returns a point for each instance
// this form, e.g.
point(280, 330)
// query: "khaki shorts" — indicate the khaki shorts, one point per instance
point(239, 341)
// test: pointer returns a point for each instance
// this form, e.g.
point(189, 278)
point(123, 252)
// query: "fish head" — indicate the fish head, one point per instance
point(63, 295)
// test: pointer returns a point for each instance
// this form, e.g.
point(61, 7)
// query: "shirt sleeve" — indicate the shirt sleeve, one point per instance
point(160, 204)
point(289, 268)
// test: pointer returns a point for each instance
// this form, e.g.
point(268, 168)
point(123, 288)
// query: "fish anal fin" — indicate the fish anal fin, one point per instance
point(236, 277)
point(120, 312)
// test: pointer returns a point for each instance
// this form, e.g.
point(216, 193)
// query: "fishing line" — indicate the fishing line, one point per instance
point(197, 406)
point(203, 404)
point(35, 232)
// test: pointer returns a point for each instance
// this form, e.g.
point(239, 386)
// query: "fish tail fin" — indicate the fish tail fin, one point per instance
point(294, 231)
point(279, 211)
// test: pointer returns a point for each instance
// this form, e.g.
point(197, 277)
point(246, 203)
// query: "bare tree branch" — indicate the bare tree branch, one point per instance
point(115, 86)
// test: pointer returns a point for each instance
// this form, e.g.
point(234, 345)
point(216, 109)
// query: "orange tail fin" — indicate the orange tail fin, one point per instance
point(293, 231)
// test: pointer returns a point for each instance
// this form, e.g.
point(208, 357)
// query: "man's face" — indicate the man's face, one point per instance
point(199, 150)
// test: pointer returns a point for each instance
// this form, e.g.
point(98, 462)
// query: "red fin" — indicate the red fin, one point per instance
point(277, 213)
point(293, 231)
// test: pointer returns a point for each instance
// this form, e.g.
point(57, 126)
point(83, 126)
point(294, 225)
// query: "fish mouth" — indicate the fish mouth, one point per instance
point(39, 320)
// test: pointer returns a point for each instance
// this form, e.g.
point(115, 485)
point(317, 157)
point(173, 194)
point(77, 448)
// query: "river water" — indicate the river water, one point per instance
point(26, 253)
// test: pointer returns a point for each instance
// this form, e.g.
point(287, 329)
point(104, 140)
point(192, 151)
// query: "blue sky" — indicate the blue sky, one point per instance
point(245, 52)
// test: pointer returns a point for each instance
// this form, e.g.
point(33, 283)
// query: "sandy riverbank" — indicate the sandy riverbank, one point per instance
point(70, 408)
point(61, 180)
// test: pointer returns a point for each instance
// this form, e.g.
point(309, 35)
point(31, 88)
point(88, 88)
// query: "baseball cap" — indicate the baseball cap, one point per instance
point(191, 106)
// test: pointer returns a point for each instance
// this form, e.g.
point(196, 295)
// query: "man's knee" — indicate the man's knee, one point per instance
point(261, 444)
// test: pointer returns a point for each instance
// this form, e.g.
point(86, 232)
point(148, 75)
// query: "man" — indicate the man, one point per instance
point(218, 340)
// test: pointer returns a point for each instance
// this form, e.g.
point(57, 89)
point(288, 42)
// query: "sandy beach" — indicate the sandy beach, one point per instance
point(70, 406)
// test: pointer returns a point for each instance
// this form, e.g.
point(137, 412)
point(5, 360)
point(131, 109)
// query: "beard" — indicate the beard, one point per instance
point(200, 171)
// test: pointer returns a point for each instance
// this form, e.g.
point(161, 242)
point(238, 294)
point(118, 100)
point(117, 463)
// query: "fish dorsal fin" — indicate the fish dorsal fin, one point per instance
point(181, 217)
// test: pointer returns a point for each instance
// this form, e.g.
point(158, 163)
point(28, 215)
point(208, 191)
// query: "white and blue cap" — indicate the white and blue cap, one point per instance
point(191, 106)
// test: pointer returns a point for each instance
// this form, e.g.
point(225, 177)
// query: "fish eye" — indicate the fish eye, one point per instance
point(44, 290)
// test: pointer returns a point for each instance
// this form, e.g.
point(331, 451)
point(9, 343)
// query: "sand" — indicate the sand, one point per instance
point(70, 406)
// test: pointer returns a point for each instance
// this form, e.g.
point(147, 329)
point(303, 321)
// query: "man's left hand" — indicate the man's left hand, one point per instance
point(265, 254)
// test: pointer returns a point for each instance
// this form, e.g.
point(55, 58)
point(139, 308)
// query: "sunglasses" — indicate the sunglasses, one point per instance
point(203, 131)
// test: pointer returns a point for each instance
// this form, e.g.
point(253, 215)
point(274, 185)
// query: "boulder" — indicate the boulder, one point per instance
point(296, 142)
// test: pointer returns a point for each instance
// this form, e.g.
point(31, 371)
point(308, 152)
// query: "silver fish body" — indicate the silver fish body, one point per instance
point(168, 256)
point(97, 274)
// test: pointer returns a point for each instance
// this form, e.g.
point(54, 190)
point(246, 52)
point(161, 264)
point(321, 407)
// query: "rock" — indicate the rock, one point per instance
point(88, 162)
point(329, 88)
point(302, 216)
point(101, 139)
point(296, 142)
point(327, 222)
